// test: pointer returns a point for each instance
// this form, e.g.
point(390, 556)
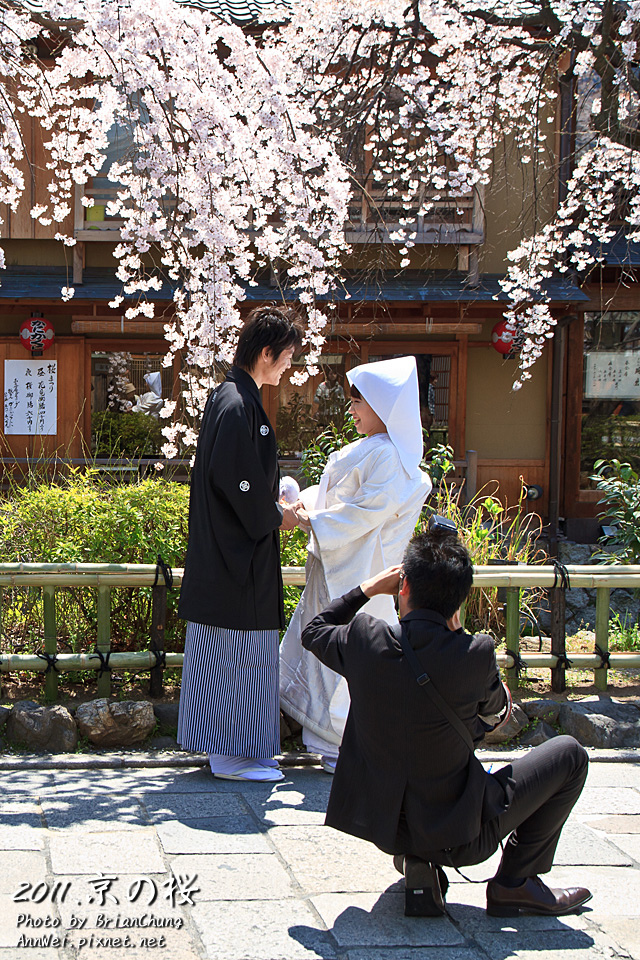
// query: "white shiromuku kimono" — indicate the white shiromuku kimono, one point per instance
point(362, 516)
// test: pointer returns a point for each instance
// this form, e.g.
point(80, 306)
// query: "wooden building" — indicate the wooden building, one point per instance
point(442, 309)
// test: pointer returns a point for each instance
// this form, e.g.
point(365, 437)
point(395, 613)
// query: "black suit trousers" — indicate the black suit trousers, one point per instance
point(548, 782)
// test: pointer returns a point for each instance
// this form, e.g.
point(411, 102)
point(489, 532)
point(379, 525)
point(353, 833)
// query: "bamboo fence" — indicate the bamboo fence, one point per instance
point(104, 577)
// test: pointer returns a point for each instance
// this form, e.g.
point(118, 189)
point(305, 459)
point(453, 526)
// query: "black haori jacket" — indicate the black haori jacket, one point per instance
point(405, 779)
point(232, 574)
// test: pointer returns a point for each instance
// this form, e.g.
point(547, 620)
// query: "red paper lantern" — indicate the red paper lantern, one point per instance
point(502, 336)
point(36, 334)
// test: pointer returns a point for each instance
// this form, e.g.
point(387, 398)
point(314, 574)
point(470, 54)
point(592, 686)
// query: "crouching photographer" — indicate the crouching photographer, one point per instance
point(423, 694)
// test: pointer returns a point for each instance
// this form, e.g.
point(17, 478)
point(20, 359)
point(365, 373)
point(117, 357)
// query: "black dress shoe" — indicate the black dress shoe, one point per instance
point(533, 896)
point(425, 886)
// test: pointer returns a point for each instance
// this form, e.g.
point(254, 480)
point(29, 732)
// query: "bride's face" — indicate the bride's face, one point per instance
point(365, 418)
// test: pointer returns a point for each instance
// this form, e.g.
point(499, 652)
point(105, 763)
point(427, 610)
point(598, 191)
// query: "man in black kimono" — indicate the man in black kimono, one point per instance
point(406, 778)
point(232, 593)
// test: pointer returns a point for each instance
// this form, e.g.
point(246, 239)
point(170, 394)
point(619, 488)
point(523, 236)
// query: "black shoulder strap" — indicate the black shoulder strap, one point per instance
point(426, 683)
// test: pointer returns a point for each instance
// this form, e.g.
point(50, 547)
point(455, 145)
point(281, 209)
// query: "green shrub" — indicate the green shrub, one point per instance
point(315, 456)
point(88, 521)
point(624, 634)
point(619, 485)
point(293, 553)
point(122, 435)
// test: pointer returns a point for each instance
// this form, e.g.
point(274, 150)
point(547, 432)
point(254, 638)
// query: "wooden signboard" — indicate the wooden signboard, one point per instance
point(31, 397)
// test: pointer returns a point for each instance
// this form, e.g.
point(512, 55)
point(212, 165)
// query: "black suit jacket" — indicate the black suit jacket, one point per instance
point(232, 575)
point(405, 779)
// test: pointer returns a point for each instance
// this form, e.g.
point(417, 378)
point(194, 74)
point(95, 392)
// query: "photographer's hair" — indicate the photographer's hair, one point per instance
point(439, 571)
point(277, 328)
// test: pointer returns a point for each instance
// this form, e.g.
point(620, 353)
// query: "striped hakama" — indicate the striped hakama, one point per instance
point(229, 701)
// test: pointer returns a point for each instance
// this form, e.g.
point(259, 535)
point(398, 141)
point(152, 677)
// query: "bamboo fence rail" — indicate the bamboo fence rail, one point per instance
point(104, 577)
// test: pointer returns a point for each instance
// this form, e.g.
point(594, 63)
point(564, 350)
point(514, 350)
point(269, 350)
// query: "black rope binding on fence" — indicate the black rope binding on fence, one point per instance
point(605, 662)
point(562, 574)
point(563, 661)
point(518, 662)
point(161, 658)
point(51, 659)
point(104, 661)
point(166, 571)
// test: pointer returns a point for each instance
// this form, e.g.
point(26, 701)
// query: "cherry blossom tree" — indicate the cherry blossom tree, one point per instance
point(225, 174)
point(244, 151)
point(424, 94)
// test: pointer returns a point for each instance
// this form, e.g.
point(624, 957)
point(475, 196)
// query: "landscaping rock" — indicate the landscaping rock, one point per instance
point(108, 724)
point(602, 722)
point(538, 733)
point(548, 710)
point(166, 713)
point(516, 722)
point(4, 716)
point(49, 729)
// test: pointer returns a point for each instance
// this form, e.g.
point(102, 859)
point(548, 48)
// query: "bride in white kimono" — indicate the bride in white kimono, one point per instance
point(360, 518)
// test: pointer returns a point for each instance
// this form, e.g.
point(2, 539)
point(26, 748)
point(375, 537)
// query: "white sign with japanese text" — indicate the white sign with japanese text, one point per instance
point(31, 397)
point(612, 375)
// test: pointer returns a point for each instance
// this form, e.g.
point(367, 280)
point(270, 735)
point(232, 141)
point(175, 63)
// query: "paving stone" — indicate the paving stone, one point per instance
point(625, 931)
point(21, 866)
point(22, 833)
point(530, 945)
point(466, 902)
point(19, 805)
point(414, 953)
point(11, 928)
point(473, 918)
point(261, 930)
point(608, 800)
point(199, 780)
point(613, 775)
point(179, 946)
point(33, 954)
point(616, 890)
point(629, 843)
point(212, 835)
point(292, 804)
point(624, 823)
point(30, 782)
point(580, 845)
point(100, 813)
point(129, 896)
point(325, 860)
point(257, 876)
point(122, 853)
point(110, 782)
point(370, 919)
point(181, 806)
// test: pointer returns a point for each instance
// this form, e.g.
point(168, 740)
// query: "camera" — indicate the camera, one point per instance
point(442, 525)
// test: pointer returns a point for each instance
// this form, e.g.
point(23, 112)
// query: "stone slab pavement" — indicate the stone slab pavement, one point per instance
point(148, 856)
